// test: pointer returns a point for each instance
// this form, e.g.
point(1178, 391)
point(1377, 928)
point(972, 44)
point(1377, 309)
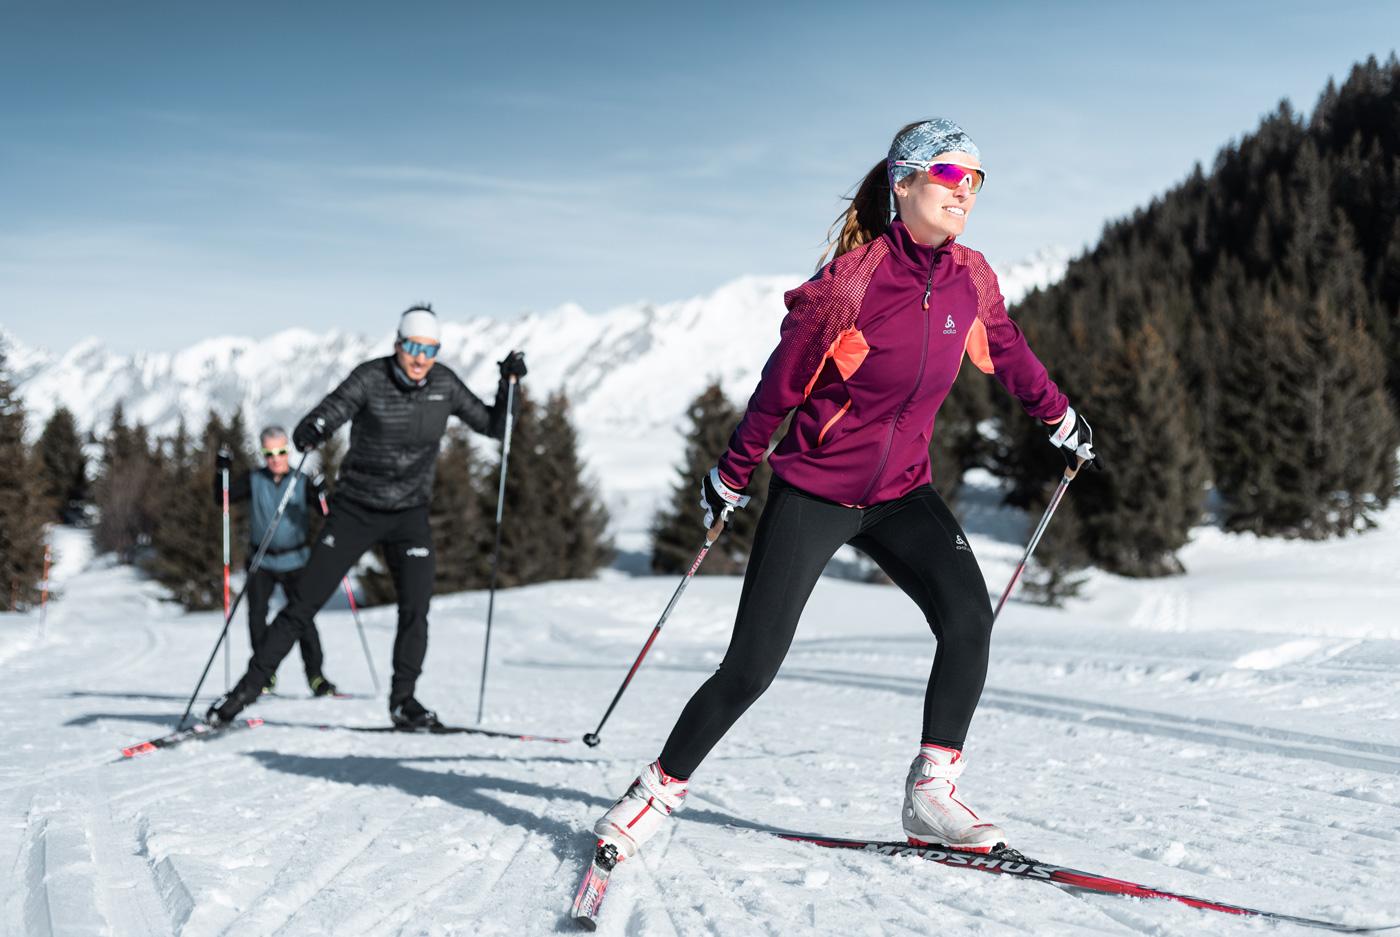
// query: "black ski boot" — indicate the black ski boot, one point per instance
point(412, 716)
point(225, 709)
point(320, 686)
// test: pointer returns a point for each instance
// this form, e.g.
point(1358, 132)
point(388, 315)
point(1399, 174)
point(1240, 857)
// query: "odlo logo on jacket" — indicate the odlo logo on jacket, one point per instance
point(950, 327)
point(416, 551)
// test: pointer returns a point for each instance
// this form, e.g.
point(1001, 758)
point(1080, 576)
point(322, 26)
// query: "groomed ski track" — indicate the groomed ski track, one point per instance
point(1234, 734)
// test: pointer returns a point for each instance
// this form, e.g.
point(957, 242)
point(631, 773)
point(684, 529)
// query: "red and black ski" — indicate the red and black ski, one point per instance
point(200, 730)
point(1010, 862)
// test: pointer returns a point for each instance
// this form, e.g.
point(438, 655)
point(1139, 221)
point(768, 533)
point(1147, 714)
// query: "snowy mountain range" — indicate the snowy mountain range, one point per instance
point(630, 372)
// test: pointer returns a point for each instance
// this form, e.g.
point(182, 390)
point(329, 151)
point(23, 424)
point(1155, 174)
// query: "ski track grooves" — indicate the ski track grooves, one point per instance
point(59, 861)
point(306, 883)
point(38, 921)
point(1343, 752)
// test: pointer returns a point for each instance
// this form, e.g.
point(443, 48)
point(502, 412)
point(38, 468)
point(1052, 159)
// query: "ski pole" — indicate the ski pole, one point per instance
point(496, 557)
point(592, 739)
point(228, 676)
point(1039, 532)
point(355, 611)
point(252, 568)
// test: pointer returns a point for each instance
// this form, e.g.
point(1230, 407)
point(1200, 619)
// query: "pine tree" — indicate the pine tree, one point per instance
point(528, 553)
point(457, 518)
point(677, 532)
point(1139, 512)
point(126, 490)
point(1312, 449)
point(553, 525)
point(60, 452)
point(187, 543)
point(1349, 431)
point(23, 509)
point(1258, 467)
point(582, 520)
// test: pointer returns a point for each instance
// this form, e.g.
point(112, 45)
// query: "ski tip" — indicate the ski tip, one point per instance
point(253, 722)
point(135, 750)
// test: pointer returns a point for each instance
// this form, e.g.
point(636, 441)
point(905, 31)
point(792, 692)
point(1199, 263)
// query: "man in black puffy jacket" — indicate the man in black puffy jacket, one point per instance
point(398, 407)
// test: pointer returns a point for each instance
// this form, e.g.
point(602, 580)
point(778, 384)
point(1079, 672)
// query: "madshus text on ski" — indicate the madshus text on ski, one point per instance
point(868, 351)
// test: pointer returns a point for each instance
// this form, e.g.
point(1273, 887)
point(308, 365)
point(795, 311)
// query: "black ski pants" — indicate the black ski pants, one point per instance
point(350, 530)
point(261, 584)
point(918, 544)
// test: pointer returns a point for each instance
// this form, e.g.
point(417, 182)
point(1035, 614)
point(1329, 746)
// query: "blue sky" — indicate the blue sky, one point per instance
point(175, 171)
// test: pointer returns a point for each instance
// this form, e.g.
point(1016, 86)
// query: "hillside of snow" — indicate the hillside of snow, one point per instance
point(1233, 733)
point(629, 371)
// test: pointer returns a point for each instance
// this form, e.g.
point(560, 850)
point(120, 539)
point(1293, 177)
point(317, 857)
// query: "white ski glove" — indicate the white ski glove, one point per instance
point(717, 498)
point(1075, 439)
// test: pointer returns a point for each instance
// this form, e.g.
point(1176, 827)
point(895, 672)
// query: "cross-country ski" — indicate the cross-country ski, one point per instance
point(198, 732)
point(1011, 863)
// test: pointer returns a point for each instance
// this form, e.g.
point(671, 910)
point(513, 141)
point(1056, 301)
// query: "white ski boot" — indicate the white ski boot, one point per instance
point(933, 816)
point(640, 812)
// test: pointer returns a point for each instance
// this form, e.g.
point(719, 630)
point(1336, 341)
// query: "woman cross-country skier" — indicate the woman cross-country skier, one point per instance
point(398, 408)
point(868, 351)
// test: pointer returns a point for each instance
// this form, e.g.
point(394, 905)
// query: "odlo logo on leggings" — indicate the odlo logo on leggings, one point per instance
point(416, 551)
point(961, 544)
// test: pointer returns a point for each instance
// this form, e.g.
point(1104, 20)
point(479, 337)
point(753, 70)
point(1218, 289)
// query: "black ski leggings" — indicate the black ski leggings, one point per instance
point(260, 588)
point(350, 530)
point(918, 544)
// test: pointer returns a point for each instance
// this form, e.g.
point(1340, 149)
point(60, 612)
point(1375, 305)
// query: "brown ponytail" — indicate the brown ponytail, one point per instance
point(867, 218)
point(869, 214)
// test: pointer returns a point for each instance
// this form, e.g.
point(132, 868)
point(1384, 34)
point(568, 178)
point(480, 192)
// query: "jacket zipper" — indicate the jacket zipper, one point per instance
point(923, 360)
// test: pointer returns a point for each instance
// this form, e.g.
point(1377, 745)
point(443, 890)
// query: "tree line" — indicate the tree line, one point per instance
point(149, 500)
point(1241, 333)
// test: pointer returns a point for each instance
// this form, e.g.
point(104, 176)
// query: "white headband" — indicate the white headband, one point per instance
point(421, 323)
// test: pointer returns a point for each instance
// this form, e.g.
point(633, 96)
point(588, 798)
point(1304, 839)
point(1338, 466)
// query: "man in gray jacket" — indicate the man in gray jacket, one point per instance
point(398, 407)
point(288, 550)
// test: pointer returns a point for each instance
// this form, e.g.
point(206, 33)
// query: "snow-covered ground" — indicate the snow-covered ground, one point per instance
point(1233, 733)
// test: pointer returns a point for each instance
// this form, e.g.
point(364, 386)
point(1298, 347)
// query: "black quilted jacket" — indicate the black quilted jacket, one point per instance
point(397, 430)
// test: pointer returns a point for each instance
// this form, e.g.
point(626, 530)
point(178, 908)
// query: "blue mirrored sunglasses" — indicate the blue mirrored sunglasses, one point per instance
point(415, 349)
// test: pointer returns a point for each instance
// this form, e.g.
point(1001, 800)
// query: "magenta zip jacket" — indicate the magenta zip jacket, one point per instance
point(868, 351)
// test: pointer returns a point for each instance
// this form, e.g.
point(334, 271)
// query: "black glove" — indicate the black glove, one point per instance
point(1075, 440)
point(309, 434)
point(224, 460)
point(317, 484)
point(716, 497)
point(513, 366)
